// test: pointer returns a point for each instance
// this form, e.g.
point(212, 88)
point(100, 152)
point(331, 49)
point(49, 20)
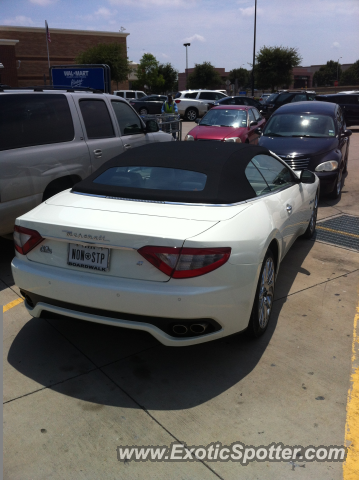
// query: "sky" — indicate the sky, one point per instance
point(220, 31)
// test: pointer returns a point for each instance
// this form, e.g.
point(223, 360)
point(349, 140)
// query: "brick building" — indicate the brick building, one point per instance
point(23, 52)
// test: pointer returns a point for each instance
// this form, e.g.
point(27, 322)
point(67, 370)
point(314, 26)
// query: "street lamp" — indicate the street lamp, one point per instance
point(254, 45)
point(338, 69)
point(186, 45)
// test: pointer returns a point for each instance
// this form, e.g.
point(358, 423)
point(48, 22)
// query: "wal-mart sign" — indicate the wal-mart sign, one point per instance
point(75, 77)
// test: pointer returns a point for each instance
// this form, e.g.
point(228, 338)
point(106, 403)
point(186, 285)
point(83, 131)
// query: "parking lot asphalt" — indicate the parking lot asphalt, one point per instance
point(74, 390)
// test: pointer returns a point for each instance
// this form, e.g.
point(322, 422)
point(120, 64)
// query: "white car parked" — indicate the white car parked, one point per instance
point(182, 240)
point(193, 104)
point(130, 94)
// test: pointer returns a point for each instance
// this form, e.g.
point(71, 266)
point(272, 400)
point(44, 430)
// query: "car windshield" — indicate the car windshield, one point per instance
point(225, 118)
point(296, 125)
point(155, 178)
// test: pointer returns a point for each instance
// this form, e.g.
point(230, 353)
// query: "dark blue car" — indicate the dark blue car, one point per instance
point(311, 135)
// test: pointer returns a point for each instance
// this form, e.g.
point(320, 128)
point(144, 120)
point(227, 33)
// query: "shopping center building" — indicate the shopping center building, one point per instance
point(23, 52)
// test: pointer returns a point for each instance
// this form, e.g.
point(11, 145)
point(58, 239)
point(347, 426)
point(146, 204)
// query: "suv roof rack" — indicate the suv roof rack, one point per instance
point(41, 88)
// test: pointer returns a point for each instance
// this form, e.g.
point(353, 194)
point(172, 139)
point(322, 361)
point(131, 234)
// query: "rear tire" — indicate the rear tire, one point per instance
point(191, 114)
point(263, 300)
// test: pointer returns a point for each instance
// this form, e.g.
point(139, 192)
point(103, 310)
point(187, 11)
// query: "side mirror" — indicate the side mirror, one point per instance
point(347, 133)
point(197, 120)
point(252, 124)
point(307, 176)
point(152, 126)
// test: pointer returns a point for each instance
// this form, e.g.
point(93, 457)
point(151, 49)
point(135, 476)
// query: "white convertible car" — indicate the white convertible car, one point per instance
point(182, 240)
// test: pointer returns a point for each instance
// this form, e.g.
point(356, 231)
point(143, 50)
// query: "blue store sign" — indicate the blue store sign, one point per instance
point(78, 77)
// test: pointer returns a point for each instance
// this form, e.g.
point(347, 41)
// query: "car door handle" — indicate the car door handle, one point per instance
point(289, 208)
point(127, 145)
point(98, 153)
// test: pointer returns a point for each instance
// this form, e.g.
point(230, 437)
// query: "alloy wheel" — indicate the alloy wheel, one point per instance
point(191, 115)
point(266, 293)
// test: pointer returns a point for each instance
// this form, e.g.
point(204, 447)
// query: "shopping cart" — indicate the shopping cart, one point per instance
point(168, 123)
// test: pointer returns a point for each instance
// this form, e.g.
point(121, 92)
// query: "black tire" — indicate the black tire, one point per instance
point(337, 187)
point(191, 114)
point(345, 169)
point(143, 111)
point(263, 300)
point(313, 220)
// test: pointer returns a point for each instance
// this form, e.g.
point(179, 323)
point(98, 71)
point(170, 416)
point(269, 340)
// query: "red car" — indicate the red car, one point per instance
point(229, 123)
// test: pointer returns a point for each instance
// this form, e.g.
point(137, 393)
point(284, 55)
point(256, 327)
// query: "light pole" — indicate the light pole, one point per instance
point(186, 45)
point(254, 45)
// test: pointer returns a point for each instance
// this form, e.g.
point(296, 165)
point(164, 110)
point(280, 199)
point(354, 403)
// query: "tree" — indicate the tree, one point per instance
point(170, 76)
point(274, 66)
point(148, 75)
point(204, 76)
point(241, 74)
point(351, 75)
point(111, 54)
point(327, 74)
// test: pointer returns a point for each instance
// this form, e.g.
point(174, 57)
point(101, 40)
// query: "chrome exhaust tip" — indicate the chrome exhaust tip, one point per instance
point(198, 328)
point(180, 329)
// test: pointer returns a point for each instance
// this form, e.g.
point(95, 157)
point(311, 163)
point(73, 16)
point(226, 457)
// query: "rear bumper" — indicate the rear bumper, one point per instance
point(229, 306)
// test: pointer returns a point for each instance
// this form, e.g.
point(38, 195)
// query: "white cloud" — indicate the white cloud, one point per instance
point(43, 3)
point(102, 13)
point(249, 11)
point(154, 3)
point(194, 38)
point(19, 20)
point(164, 55)
point(335, 45)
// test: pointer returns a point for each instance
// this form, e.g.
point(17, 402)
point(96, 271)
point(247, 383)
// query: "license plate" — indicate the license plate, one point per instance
point(90, 258)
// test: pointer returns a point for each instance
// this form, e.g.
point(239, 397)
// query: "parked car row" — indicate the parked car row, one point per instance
point(305, 134)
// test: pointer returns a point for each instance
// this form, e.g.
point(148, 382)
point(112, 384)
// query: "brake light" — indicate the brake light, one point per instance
point(25, 239)
point(185, 262)
point(178, 101)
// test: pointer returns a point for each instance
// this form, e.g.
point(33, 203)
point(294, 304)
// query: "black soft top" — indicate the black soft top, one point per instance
point(223, 163)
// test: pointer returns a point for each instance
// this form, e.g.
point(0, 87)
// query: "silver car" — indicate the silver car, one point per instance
point(192, 104)
point(50, 140)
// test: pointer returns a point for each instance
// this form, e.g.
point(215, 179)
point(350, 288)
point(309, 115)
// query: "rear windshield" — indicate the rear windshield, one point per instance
point(225, 118)
point(272, 98)
point(295, 125)
point(154, 178)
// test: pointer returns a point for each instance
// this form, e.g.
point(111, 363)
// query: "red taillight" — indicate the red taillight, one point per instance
point(25, 239)
point(178, 101)
point(185, 262)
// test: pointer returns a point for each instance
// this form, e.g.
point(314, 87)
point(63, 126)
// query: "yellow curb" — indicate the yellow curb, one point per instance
point(338, 231)
point(12, 304)
point(351, 466)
